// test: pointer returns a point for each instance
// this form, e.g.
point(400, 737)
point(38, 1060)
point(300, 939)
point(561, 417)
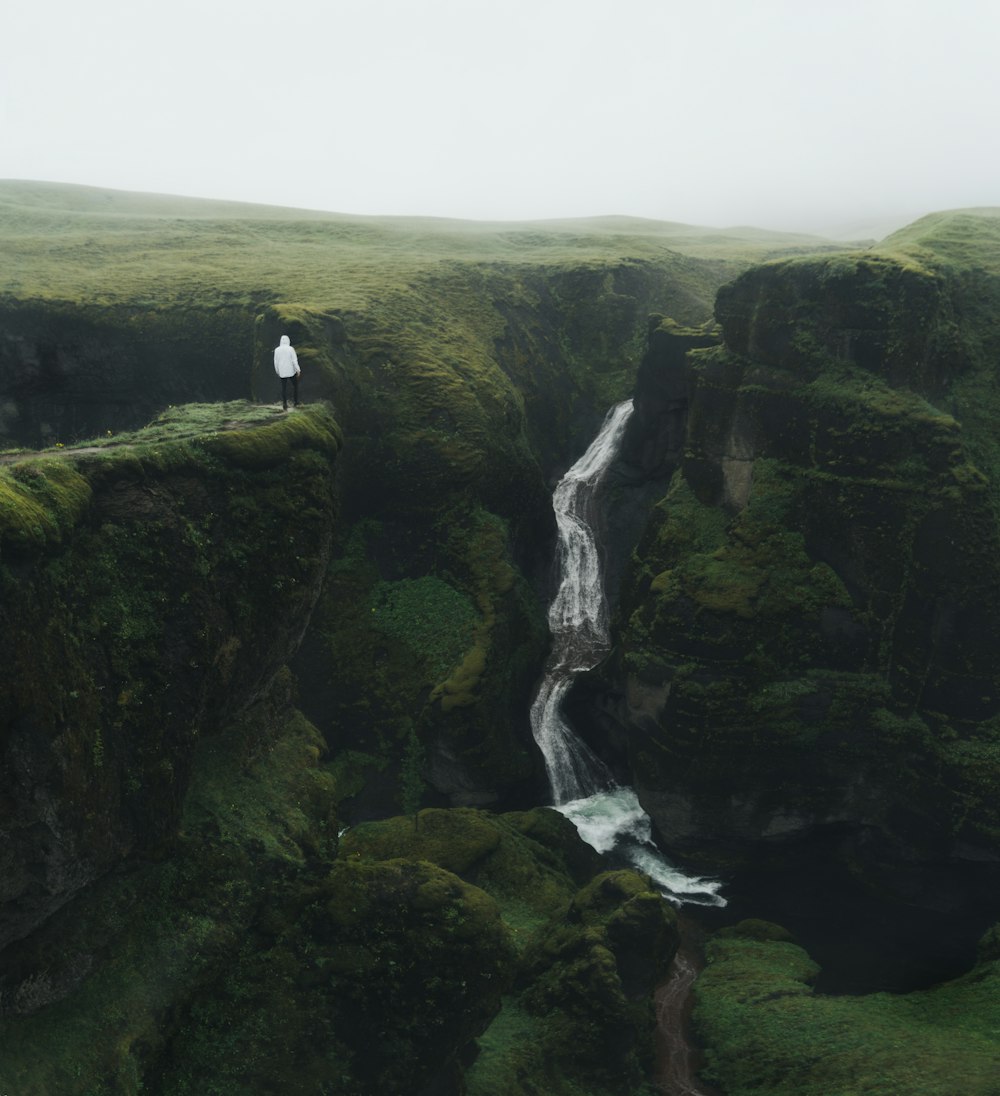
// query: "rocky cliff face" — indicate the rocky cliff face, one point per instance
point(431, 623)
point(170, 833)
point(458, 397)
point(150, 592)
point(74, 371)
point(809, 627)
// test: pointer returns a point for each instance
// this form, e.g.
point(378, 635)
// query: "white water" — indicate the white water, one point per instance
point(606, 815)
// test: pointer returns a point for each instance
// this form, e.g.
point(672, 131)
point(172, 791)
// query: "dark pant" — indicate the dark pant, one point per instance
point(284, 390)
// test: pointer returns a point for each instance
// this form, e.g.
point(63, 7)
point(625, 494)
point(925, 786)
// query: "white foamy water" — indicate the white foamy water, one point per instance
point(606, 815)
point(614, 821)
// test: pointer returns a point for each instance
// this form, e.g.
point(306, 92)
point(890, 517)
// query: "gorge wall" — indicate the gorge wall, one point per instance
point(74, 370)
point(150, 594)
point(806, 670)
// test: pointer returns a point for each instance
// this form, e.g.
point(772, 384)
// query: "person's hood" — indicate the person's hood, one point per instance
point(285, 341)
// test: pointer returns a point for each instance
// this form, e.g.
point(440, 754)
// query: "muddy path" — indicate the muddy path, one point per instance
point(677, 1058)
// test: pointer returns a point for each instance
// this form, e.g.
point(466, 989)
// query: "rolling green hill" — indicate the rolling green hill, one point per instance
point(84, 244)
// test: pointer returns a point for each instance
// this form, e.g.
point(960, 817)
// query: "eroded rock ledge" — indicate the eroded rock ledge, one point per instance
point(810, 623)
point(149, 592)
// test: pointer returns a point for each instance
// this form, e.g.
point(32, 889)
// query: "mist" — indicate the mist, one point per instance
point(775, 114)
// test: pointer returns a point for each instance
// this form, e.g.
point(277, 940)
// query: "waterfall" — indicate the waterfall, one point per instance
point(606, 815)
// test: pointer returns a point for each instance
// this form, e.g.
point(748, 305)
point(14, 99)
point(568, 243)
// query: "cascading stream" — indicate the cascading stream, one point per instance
point(606, 815)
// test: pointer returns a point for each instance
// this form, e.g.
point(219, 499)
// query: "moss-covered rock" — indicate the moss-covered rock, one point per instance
point(765, 1029)
point(250, 957)
point(582, 1018)
point(530, 862)
point(261, 953)
point(579, 1018)
point(654, 438)
point(466, 365)
point(71, 370)
point(95, 996)
point(369, 980)
point(806, 641)
point(454, 414)
point(430, 628)
point(810, 616)
point(150, 591)
point(886, 315)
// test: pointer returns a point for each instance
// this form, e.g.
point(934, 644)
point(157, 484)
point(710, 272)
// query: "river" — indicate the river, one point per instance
point(607, 815)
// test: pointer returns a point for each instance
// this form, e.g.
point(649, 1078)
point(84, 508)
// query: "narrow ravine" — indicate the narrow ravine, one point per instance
point(674, 1054)
point(677, 1060)
point(607, 815)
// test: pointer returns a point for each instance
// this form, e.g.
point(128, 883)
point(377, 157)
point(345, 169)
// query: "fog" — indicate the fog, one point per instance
point(776, 113)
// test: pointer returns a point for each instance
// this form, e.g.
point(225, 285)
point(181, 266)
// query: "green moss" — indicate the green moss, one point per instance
point(752, 567)
point(456, 839)
point(486, 555)
point(428, 626)
point(529, 863)
point(267, 446)
point(94, 987)
point(248, 958)
point(586, 982)
point(412, 964)
point(155, 609)
point(287, 816)
point(429, 617)
point(40, 501)
point(764, 1028)
point(813, 601)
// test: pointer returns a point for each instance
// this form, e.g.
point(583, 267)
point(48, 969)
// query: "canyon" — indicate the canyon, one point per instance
point(273, 816)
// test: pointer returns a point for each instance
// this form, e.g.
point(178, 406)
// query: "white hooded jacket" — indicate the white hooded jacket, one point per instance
point(286, 364)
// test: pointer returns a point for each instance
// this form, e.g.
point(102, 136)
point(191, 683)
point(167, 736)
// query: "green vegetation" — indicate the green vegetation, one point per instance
point(77, 243)
point(962, 249)
point(164, 584)
point(187, 422)
point(817, 587)
point(262, 953)
point(766, 1030)
point(40, 500)
point(458, 361)
point(85, 998)
point(577, 1020)
point(437, 341)
point(531, 863)
point(810, 623)
point(429, 628)
point(252, 957)
point(965, 240)
point(430, 618)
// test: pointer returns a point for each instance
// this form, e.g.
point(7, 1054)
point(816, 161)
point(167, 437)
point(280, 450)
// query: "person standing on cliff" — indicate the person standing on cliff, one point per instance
point(286, 365)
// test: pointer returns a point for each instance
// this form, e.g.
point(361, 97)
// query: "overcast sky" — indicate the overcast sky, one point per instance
point(780, 113)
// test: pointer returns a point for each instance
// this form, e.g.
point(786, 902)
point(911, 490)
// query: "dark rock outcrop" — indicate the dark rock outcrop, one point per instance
point(655, 436)
point(809, 627)
point(149, 593)
point(75, 371)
